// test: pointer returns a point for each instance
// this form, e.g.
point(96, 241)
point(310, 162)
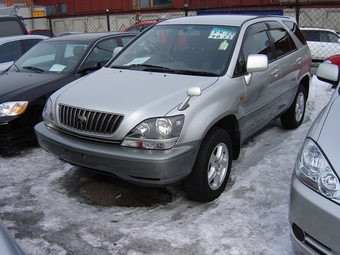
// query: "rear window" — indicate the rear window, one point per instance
point(11, 27)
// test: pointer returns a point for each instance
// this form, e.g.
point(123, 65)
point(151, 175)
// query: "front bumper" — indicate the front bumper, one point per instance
point(156, 168)
point(314, 221)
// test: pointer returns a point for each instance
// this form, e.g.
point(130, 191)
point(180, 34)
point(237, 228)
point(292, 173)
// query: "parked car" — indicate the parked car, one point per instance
point(46, 67)
point(322, 42)
point(176, 104)
point(45, 32)
point(13, 47)
point(140, 26)
point(335, 59)
point(8, 245)
point(314, 210)
point(12, 25)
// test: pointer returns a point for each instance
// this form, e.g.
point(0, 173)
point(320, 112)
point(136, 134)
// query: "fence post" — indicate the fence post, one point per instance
point(186, 9)
point(297, 13)
point(50, 22)
point(108, 20)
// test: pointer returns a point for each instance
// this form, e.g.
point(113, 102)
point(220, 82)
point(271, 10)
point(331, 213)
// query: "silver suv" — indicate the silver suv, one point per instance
point(322, 42)
point(176, 104)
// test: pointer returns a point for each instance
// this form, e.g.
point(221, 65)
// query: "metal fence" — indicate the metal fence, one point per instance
point(315, 14)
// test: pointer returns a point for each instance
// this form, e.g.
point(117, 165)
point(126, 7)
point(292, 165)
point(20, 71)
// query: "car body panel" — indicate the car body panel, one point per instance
point(335, 59)
point(315, 218)
point(8, 245)
point(202, 53)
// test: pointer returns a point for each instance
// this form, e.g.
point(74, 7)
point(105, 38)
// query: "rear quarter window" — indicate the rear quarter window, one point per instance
point(296, 30)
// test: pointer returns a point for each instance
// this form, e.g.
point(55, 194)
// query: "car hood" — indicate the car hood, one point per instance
point(135, 94)
point(12, 81)
point(329, 138)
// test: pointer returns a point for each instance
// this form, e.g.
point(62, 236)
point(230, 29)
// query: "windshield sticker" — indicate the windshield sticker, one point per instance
point(224, 45)
point(137, 61)
point(221, 33)
point(57, 68)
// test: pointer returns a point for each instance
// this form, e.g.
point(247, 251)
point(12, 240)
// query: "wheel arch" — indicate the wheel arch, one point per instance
point(305, 81)
point(230, 124)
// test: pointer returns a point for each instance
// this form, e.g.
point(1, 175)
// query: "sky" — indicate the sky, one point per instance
point(42, 205)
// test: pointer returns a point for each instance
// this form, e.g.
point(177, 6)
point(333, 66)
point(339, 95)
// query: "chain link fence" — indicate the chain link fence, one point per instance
point(323, 17)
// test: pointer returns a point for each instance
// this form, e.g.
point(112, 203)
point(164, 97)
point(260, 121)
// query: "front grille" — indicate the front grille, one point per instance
point(89, 121)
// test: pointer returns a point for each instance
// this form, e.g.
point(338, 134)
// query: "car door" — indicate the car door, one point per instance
point(262, 93)
point(289, 59)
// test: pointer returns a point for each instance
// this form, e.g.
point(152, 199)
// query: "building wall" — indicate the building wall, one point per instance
point(10, 2)
point(85, 6)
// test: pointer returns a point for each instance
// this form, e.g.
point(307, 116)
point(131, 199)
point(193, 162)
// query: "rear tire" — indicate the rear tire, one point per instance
point(212, 167)
point(294, 116)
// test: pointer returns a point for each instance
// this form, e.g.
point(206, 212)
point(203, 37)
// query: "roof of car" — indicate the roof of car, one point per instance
point(223, 19)
point(318, 28)
point(21, 37)
point(88, 36)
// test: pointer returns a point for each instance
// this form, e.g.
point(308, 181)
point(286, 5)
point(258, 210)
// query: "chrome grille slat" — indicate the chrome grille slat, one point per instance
point(94, 122)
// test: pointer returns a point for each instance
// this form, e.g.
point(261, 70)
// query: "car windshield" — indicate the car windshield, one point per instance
point(59, 57)
point(184, 49)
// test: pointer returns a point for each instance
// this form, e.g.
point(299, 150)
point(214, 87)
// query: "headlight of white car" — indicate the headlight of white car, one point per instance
point(12, 108)
point(156, 133)
point(313, 169)
point(47, 114)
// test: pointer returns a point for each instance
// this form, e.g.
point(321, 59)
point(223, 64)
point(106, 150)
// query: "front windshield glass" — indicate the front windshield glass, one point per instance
point(59, 57)
point(185, 49)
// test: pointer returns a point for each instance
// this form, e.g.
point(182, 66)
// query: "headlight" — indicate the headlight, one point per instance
point(156, 133)
point(47, 114)
point(12, 108)
point(313, 169)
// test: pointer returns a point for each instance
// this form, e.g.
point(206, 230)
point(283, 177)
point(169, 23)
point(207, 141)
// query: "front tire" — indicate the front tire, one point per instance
point(294, 116)
point(212, 167)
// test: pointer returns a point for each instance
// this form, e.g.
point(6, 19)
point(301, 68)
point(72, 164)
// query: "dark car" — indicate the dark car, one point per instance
point(12, 25)
point(44, 69)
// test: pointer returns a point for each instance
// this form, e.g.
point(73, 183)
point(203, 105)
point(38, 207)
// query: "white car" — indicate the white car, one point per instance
point(13, 47)
point(322, 42)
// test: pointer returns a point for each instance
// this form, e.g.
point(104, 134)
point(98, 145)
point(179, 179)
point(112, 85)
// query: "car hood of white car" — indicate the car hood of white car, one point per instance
point(329, 138)
point(128, 92)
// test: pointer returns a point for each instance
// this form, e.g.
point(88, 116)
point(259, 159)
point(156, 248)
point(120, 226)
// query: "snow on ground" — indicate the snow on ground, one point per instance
point(250, 217)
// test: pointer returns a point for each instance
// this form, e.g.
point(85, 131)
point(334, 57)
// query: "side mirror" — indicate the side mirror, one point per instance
point(328, 73)
point(116, 50)
point(257, 63)
point(90, 67)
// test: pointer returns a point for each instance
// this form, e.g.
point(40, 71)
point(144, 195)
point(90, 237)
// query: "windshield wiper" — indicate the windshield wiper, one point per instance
point(35, 69)
point(191, 72)
point(144, 67)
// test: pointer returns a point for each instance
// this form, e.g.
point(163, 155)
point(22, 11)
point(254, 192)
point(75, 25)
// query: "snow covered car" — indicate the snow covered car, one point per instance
point(314, 208)
point(176, 104)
